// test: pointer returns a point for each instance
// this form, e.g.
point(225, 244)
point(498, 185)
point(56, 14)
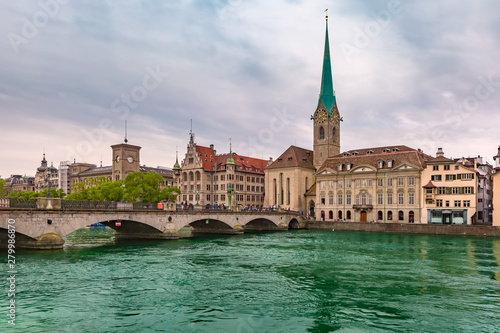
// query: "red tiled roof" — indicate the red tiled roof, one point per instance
point(243, 163)
point(429, 185)
point(370, 156)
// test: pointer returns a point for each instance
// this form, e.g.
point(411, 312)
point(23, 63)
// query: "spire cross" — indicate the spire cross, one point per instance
point(326, 11)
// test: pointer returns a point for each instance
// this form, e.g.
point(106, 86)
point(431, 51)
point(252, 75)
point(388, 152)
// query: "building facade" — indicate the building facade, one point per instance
point(288, 178)
point(19, 183)
point(206, 178)
point(450, 190)
point(46, 176)
point(375, 184)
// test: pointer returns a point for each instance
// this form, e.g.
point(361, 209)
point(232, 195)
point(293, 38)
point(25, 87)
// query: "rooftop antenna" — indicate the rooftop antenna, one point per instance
point(191, 134)
point(126, 140)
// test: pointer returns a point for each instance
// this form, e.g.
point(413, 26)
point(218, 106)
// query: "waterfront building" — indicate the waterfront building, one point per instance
point(450, 190)
point(379, 184)
point(495, 183)
point(484, 189)
point(288, 178)
point(206, 178)
point(46, 175)
point(19, 183)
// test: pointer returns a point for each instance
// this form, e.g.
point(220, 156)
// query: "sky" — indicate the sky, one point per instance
point(419, 73)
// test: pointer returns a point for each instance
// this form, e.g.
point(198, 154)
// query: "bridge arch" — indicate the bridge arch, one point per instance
point(260, 224)
point(211, 226)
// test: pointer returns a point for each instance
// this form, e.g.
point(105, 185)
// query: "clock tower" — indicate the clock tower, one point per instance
point(326, 118)
point(125, 160)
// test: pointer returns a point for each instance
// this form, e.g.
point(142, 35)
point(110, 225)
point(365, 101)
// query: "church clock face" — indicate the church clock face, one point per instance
point(335, 117)
point(321, 116)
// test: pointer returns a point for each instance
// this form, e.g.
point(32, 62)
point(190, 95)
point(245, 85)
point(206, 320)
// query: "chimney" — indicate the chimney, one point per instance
point(212, 146)
point(440, 152)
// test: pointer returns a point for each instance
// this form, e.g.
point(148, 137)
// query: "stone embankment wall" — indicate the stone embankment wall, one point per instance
point(436, 229)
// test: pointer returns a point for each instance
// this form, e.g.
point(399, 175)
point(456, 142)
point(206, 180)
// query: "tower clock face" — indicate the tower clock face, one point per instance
point(130, 159)
point(335, 116)
point(117, 159)
point(320, 116)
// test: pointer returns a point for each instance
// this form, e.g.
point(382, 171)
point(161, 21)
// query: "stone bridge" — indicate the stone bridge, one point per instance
point(45, 229)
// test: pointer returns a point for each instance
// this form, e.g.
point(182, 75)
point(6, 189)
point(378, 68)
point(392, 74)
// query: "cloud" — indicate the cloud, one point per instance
point(232, 64)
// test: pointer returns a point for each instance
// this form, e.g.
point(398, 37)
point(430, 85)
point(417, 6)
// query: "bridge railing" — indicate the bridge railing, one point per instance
point(209, 208)
point(19, 203)
point(4, 203)
point(87, 205)
point(146, 206)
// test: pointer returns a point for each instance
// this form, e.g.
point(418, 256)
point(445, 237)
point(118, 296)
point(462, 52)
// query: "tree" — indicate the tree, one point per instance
point(2, 188)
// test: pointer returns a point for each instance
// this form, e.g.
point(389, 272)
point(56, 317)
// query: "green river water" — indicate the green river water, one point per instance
point(297, 281)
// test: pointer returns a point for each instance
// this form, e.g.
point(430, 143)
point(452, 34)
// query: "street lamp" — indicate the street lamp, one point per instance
point(123, 198)
point(169, 195)
point(197, 204)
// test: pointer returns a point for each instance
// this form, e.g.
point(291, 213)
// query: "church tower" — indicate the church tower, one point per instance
point(326, 118)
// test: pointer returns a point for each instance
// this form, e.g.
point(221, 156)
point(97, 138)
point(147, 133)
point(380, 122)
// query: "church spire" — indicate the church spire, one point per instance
point(176, 165)
point(230, 159)
point(327, 96)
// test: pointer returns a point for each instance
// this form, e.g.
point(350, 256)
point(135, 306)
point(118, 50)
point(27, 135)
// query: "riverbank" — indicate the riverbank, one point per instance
point(405, 228)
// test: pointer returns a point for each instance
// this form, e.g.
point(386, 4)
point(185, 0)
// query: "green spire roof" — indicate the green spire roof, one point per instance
point(176, 165)
point(230, 159)
point(326, 95)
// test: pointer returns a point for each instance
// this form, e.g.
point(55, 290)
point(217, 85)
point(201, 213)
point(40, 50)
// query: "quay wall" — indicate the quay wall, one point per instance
point(413, 228)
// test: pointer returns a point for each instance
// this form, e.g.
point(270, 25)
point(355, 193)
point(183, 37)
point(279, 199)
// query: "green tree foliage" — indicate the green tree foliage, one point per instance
point(32, 195)
point(139, 187)
point(2, 188)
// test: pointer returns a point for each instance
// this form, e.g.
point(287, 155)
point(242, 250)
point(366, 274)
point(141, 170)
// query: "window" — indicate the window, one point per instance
point(389, 181)
point(348, 166)
point(363, 199)
point(380, 182)
point(411, 198)
point(468, 190)
point(340, 184)
point(401, 181)
point(208, 197)
point(339, 167)
point(466, 203)
point(357, 200)
point(322, 199)
point(446, 167)
point(389, 163)
point(380, 215)
point(458, 203)
point(321, 133)
point(451, 177)
point(208, 187)
point(339, 199)
point(223, 187)
point(348, 183)
point(439, 203)
point(447, 203)
point(401, 215)
point(330, 184)
point(467, 176)
point(435, 167)
point(348, 215)
point(456, 167)
point(411, 181)
point(370, 182)
point(389, 215)
point(357, 182)
point(223, 197)
point(389, 198)
point(441, 190)
point(401, 198)
point(363, 182)
point(436, 177)
point(380, 199)
point(380, 164)
point(322, 185)
point(330, 199)
point(330, 215)
point(348, 199)
point(208, 178)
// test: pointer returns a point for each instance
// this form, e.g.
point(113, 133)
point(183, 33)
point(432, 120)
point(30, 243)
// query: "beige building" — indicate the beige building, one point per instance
point(374, 184)
point(450, 191)
point(206, 178)
point(288, 178)
point(495, 180)
point(46, 176)
point(19, 183)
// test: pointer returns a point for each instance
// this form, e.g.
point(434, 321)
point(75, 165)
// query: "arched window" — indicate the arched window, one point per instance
point(282, 189)
point(333, 134)
point(340, 214)
point(401, 215)
point(411, 216)
point(323, 215)
point(389, 215)
point(191, 176)
point(380, 164)
point(198, 176)
point(330, 215)
point(321, 133)
point(185, 176)
point(380, 215)
point(363, 199)
point(275, 191)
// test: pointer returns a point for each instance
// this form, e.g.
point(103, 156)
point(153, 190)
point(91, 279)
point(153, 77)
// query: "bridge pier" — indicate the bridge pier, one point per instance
point(48, 241)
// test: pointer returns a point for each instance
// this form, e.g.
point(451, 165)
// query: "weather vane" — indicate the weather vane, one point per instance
point(326, 11)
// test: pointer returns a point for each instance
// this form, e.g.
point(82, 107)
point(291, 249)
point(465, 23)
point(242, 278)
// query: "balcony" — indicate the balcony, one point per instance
point(362, 207)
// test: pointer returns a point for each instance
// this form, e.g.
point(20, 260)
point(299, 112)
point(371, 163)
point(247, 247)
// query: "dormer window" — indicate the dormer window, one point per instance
point(389, 163)
point(380, 164)
point(339, 167)
point(386, 150)
point(347, 154)
point(395, 149)
point(348, 166)
point(369, 151)
point(355, 153)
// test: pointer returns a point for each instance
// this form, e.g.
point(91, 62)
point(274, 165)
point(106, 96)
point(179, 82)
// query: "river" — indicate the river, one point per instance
point(297, 281)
